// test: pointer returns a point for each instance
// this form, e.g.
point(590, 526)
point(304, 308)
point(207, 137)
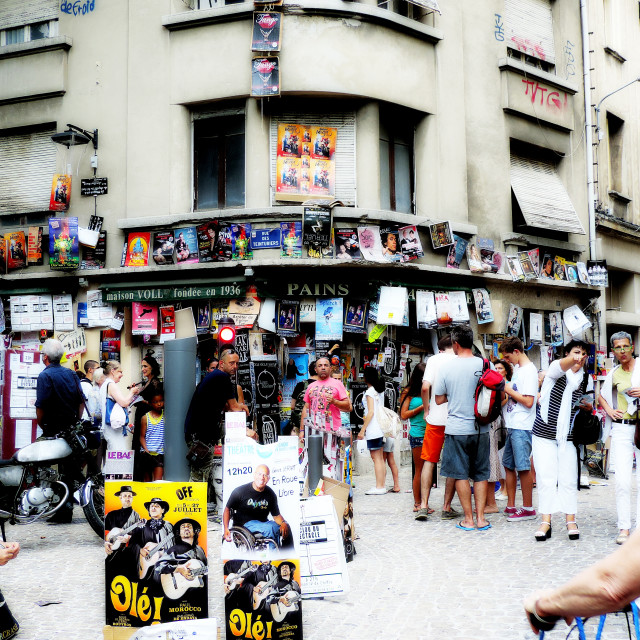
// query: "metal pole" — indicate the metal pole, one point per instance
point(315, 461)
point(179, 384)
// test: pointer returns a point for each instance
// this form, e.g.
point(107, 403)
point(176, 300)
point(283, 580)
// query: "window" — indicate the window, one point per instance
point(396, 164)
point(529, 32)
point(29, 32)
point(615, 127)
point(219, 162)
point(403, 7)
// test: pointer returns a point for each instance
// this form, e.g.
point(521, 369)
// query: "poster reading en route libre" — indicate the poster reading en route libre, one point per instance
point(305, 165)
point(156, 562)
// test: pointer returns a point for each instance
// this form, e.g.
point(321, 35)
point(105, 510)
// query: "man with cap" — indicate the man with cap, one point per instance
point(155, 532)
point(186, 557)
point(120, 519)
point(286, 592)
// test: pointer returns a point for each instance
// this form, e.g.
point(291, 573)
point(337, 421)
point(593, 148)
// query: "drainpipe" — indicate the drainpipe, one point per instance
point(588, 130)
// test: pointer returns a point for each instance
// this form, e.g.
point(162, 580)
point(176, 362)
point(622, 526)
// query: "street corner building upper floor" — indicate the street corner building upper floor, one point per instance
point(404, 112)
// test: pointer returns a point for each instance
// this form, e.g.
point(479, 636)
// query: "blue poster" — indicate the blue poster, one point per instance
point(83, 321)
point(329, 315)
point(265, 238)
point(297, 370)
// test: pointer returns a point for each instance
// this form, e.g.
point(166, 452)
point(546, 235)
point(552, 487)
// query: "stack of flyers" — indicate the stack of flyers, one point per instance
point(291, 239)
point(457, 252)
point(528, 269)
point(163, 245)
point(186, 245)
point(410, 244)
point(241, 235)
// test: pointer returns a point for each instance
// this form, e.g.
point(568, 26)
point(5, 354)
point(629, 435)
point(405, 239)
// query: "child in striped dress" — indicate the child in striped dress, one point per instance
point(152, 439)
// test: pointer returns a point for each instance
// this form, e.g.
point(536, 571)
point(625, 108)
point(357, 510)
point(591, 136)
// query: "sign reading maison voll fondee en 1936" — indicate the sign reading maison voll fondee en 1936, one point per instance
point(173, 293)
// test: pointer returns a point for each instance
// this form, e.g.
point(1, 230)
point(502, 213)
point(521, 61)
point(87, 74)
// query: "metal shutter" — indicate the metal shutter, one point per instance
point(529, 28)
point(542, 197)
point(27, 165)
point(15, 13)
point(345, 154)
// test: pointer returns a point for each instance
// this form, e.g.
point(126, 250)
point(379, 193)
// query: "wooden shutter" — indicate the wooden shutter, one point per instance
point(542, 197)
point(27, 165)
point(529, 28)
point(345, 154)
point(15, 13)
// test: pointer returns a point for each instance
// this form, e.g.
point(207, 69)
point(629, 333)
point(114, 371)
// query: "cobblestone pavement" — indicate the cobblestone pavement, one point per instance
point(409, 580)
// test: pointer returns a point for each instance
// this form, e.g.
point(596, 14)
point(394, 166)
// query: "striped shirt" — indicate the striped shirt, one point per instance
point(548, 429)
point(155, 433)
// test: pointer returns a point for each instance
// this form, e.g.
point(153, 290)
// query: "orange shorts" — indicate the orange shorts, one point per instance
point(432, 443)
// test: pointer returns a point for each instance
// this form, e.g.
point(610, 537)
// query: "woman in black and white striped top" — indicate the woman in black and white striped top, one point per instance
point(554, 454)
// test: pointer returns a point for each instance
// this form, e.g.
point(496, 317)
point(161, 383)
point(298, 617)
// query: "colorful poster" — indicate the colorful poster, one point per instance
point(457, 251)
point(63, 244)
point(528, 269)
point(355, 316)
point(443, 312)
point(224, 243)
point(34, 245)
point(204, 317)
point(288, 317)
point(323, 178)
point(265, 239)
point(95, 258)
point(491, 260)
point(3, 256)
point(555, 329)
point(514, 320)
point(288, 176)
point(559, 272)
point(262, 346)
point(571, 270)
point(167, 323)
point(347, 244)
point(515, 268)
point(15, 250)
point(547, 271)
point(267, 30)
point(241, 235)
point(329, 315)
point(316, 226)
point(163, 246)
point(426, 310)
point(370, 244)
point(186, 245)
point(484, 312)
point(441, 235)
point(138, 249)
point(207, 236)
point(410, 244)
point(60, 193)
point(156, 546)
point(390, 240)
point(144, 319)
point(265, 77)
point(534, 256)
point(322, 253)
point(473, 260)
point(291, 234)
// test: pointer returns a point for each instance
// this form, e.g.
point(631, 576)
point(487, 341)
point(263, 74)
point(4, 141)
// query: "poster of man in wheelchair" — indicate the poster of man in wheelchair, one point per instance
point(261, 515)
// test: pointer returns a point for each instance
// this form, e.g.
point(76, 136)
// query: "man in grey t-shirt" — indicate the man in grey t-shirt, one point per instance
point(466, 448)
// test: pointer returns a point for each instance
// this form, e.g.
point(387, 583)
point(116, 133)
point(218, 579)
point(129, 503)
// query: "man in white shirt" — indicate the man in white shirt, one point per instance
point(436, 417)
point(519, 414)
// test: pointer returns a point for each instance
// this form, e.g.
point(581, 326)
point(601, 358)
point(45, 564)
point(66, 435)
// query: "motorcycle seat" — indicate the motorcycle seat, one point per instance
point(7, 463)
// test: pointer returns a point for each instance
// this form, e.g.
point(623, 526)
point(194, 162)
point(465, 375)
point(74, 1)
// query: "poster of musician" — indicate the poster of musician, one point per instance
point(156, 552)
point(263, 598)
point(261, 515)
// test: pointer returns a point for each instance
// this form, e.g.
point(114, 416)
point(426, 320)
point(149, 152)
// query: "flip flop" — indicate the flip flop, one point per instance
point(393, 490)
point(461, 526)
point(486, 526)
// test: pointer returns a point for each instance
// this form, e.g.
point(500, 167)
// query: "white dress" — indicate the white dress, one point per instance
point(373, 429)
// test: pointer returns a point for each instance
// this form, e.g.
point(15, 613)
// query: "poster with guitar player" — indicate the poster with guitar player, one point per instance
point(156, 552)
point(263, 598)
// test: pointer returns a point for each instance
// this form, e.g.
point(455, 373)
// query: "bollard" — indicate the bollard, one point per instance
point(179, 384)
point(315, 446)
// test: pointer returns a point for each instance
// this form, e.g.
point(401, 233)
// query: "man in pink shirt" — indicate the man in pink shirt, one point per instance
point(325, 399)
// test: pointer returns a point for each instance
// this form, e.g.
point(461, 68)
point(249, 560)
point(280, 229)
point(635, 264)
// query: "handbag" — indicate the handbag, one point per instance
point(389, 422)
point(586, 429)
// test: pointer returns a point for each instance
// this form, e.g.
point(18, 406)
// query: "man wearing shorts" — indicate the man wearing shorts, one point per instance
point(519, 414)
point(436, 417)
point(466, 447)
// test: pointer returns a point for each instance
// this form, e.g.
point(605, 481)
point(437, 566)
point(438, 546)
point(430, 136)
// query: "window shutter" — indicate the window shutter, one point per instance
point(345, 155)
point(529, 28)
point(15, 13)
point(26, 171)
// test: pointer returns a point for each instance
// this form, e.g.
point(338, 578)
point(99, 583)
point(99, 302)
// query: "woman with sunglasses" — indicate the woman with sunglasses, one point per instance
point(619, 398)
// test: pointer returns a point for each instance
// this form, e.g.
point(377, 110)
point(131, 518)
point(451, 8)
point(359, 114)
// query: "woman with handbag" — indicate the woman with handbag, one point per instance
point(554, 453)
point(374, 400)
point(412, 409)
point(115, 414)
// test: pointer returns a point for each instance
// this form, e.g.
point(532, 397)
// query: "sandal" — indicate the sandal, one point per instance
point(574, 534)
point(543, 534)
point(416, 507)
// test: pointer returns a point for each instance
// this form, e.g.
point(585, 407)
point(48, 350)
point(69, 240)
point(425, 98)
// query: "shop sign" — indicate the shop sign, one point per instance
point(317, 289)
point(173, 293)
point(94, 187)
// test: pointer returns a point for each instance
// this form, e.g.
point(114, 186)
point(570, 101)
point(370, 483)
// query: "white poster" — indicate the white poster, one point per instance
point(484, 312)
point(62, 312)
point(99, 313)
point(267, 315)
point(458, 307)
point(535, 328)
point(391, 308)
point(31, 313)
point(261, 494)
point(119, 465)
point(426, 309)
point(575, 321)
point(74, 342)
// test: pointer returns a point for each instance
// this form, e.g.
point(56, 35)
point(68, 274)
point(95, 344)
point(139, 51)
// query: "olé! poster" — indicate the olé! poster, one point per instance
point(156, 544)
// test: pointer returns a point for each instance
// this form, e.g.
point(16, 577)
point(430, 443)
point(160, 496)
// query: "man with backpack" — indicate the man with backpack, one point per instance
point(297, 401)
point(466, 446)
point(519, 416)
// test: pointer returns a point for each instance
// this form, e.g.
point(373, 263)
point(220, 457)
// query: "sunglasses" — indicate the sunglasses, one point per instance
point(622, 349)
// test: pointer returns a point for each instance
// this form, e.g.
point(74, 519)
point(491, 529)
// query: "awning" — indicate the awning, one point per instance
point(201, 289)
point(542, 197)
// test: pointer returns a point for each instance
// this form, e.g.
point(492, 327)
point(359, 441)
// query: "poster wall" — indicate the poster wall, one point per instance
point(156, 544)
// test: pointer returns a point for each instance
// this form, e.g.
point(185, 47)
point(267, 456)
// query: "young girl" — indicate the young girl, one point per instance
point(152, 439)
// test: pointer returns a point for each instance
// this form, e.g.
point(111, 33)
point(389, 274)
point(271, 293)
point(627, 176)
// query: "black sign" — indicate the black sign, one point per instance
point(316, 227)
point(358, 390)
point(266, 378)
point(266, 31)
point(93, 187)
point(244, 380)
point(268, 425)
point(242, 345)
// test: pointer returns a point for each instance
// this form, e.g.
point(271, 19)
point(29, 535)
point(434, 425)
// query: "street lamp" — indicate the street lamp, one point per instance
point(599, 131)
point(74, 136)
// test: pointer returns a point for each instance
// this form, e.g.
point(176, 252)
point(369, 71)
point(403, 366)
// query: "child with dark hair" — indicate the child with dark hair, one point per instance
point(152, 439)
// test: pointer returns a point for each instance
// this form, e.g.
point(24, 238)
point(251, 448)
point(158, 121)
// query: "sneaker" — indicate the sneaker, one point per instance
point(501, 496)
point(374, 491)
point(450, 515)
point(509, 510)
point(422, 514)
point(522, 514)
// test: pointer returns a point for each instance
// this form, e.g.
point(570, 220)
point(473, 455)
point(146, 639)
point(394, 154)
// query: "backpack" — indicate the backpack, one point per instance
point(488, 395)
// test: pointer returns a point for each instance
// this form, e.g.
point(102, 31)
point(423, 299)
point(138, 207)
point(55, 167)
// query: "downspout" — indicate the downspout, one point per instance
point(588, 129)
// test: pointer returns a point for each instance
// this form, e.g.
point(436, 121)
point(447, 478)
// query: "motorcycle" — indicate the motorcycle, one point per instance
point(31, 489)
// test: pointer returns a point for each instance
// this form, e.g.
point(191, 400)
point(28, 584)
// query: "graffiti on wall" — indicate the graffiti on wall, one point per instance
point(77, 7)
point(544, 96)
point(498, 28)
point(570, 67)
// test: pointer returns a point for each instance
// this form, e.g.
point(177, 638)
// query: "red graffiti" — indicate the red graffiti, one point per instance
point(536, 49)
point(552, 99)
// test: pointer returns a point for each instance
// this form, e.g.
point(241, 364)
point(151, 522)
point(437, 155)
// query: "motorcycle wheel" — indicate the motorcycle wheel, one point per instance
point(94, 509)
